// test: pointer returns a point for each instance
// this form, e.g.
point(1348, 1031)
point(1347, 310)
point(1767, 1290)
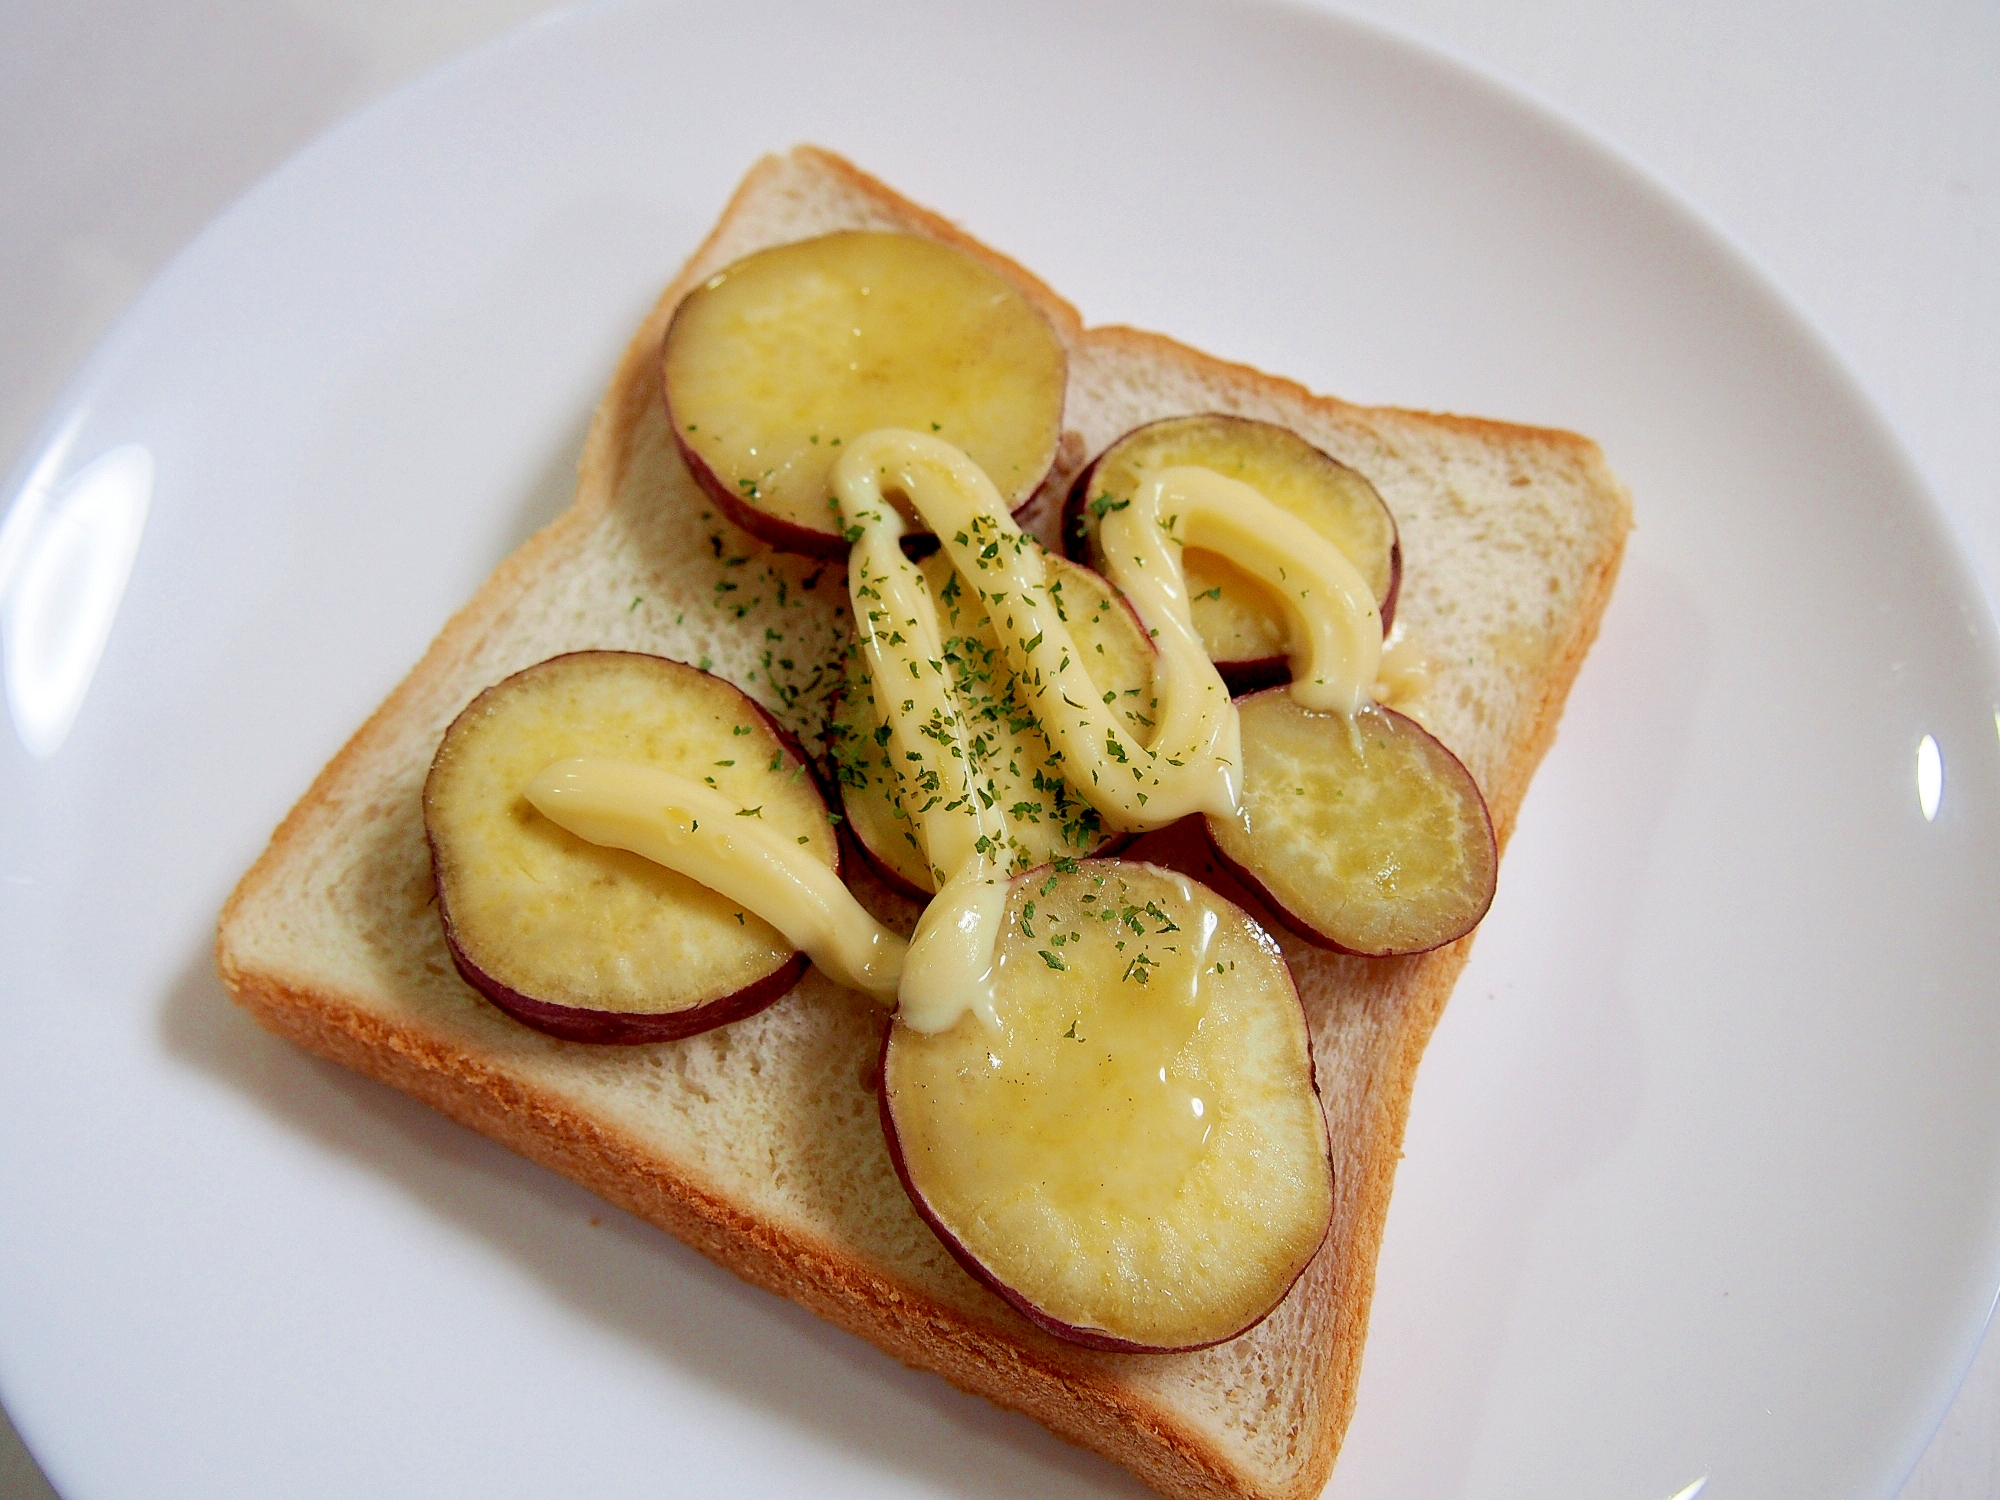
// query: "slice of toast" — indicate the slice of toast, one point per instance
point(759, 1144)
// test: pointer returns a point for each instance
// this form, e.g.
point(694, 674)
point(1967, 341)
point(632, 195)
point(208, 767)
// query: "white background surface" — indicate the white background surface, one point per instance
point(1852, 149)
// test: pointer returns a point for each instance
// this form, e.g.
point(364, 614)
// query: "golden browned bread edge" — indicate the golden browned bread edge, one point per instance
point(976, 1355)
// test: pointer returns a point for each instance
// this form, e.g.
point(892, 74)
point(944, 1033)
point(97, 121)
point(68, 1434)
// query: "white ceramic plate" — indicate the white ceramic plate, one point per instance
point(1703, 1179)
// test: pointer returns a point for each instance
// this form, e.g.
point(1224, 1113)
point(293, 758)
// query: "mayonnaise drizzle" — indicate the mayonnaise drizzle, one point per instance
point(1334, 627)
point(697, 831)
point(1193, 763)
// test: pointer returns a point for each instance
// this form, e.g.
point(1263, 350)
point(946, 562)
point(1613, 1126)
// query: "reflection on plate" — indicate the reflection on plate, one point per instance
point(1703, 1176)
point(65, 556)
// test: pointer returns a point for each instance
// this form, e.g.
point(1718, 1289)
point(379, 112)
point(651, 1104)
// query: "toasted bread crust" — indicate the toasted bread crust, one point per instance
point(1371, 1018)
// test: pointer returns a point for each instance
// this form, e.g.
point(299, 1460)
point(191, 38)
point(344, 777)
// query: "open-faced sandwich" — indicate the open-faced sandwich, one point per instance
point(968, 820)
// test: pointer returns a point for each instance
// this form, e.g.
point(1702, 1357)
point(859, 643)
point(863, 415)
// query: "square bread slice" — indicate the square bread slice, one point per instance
point(759, 1143)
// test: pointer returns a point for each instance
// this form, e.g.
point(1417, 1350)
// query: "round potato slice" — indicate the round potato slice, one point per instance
point(1241, 626)
point(592, 943)
point(1137, 1158)
point(1046, 818)
point(1363, 834)
point(776, 361)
